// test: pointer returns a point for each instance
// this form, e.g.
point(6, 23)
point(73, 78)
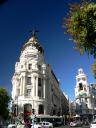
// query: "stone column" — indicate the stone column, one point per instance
point(36, 86)
point(45, 109)
point(44, 88)
point(23, 85)
point(20, 86)
point(32, 84)
point(15, 88)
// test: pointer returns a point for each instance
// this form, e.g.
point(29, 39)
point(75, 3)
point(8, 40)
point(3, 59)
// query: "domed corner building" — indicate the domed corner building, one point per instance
point(35, 86)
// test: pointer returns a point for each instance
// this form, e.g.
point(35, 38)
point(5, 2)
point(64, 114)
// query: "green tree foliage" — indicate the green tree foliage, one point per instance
point(4, 101)
point(81, 25)
point(2, 1)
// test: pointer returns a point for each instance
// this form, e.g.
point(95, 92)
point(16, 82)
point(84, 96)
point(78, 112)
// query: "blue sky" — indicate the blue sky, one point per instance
point(17, 18)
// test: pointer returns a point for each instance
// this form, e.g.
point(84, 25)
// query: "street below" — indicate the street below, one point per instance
point(73, 127)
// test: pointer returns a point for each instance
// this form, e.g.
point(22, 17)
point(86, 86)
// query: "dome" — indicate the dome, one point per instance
point(33, 42)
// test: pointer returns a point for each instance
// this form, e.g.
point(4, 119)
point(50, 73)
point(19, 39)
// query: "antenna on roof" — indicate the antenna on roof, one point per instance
point(34, 31)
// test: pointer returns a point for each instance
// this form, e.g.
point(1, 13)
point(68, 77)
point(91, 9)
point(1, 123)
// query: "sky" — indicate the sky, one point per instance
point(17, 18)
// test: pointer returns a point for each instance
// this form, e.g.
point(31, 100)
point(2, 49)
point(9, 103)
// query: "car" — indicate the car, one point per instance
point(36, 125)
point(75, 123)
point(57, 123)
point(21, 126)
point(46, 124)
point(93, 124)
point(12, 126)
point(1, 125)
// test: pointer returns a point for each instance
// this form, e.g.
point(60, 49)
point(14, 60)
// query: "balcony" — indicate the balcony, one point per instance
point(27, 95)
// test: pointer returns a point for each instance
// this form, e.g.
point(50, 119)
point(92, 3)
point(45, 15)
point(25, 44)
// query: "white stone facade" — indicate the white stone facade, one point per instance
point(83, 95)
point(34, 83)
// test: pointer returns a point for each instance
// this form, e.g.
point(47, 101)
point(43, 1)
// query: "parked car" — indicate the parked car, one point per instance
point(46, 124)
point(93, 124)
point(12, 126)
point(75, 123)
point(57, 123)
point(36, 125)
point(1, 125)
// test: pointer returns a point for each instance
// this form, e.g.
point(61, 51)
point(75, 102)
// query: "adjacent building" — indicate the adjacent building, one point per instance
point(85, 95)
point(35, 87)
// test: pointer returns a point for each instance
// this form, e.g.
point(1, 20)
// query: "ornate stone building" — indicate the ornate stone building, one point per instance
point(84, 97)
point(35, 86)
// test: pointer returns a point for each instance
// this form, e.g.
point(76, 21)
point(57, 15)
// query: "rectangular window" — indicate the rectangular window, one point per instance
point(28, 82)
point(40, 88)
point(39, 67)
point(86, 100)
point(28, 92)
point(30, 66)
point(21, 66)
point(80, 86)
point(39, 82)
point(39, 93)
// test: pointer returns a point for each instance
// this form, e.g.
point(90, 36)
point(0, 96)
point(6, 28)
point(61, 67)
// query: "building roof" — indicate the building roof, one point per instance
point(34, 42)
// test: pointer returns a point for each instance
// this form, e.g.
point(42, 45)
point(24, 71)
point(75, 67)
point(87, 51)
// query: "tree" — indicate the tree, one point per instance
point(81, 25)
point(2, 1)
point(4, 101)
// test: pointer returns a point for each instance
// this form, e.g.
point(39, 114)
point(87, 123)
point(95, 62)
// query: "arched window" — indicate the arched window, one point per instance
point(27, 108)
point(27, 111)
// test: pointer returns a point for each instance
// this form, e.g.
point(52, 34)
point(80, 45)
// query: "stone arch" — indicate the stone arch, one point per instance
point(27, 108)
point(27, 111)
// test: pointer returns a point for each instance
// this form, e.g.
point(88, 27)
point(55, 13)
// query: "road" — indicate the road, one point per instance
point(72, 127)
